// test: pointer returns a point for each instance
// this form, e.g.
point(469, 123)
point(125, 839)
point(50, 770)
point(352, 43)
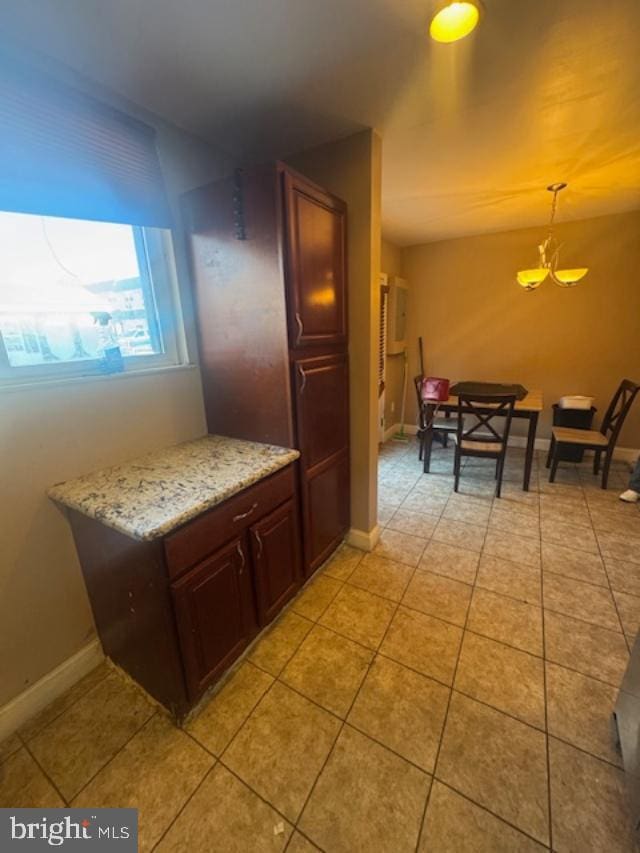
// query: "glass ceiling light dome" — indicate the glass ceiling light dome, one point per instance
point(549, 252)
point(453, 21)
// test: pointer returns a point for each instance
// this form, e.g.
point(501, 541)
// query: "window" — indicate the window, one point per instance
point(87, 277)
point(71, 290)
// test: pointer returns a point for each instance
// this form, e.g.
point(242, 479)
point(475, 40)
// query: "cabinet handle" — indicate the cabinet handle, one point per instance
point(241, 555)
point(300, 328)
point(259, 541)
point(303, 376)
point(245, 514)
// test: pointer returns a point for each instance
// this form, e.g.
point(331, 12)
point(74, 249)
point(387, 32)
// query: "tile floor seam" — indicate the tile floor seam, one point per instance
point(308, 585)
point(49, 779)
point(613, 598)
point(156, 711)
point(186, 803)
point(489, 811)
point(64, 710)
point(444, 722)
point(257, 793)
point(253, 707)
point(546, 716)
point(344, 722)
point(248, 717)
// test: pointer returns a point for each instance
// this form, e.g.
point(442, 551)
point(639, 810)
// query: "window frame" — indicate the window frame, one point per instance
point(156, 260)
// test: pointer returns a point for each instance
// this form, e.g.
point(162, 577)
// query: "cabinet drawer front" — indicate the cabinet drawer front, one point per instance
point(199, 538)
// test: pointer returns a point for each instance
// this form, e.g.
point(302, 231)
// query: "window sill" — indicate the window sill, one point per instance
point(41, 384)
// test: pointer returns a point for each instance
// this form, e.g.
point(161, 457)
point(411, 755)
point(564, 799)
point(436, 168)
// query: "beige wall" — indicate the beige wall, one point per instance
point(351, 169)
point(477, 323)
point(48, 434)
point(392, 265)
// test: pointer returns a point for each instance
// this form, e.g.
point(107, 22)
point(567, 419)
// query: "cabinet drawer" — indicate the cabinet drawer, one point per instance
point(199, 538)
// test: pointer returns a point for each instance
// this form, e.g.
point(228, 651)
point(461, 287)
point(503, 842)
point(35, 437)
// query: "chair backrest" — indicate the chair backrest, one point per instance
point(417, 381)
point(485, 409)
point(618, 410)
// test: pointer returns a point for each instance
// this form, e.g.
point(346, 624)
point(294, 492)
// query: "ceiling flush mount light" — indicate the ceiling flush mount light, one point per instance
point(453, 21)
point(549, 252)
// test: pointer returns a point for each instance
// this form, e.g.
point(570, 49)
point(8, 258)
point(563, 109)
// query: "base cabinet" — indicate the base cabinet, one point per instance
point(175, 612)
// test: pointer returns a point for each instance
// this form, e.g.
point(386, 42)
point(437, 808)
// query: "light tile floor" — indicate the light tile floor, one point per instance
point(451, 691)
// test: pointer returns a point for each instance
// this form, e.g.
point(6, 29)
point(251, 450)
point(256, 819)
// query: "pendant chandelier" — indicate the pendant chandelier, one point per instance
point(549, 252)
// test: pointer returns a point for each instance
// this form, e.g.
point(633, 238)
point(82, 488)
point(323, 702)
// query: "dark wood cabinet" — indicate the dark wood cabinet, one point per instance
point(315, 253)
point(269, 270)
point(275, 545)
point(325, 503)
point(322, 407)
point(176, 611)
point(215, 614)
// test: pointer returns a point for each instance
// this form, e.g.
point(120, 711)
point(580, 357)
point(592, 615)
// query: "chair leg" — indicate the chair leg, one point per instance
point(550, 453)
point(497, 468)
point(456, 469)
point(605, 468)
point(420, 444)
point(499, 472)
point(596, 461)
point(445, 442)
point(554, 463)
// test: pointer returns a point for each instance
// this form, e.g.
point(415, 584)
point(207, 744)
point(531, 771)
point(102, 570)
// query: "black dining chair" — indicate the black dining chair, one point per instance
point(442, 427)
point(479, 412)
point(600, 441)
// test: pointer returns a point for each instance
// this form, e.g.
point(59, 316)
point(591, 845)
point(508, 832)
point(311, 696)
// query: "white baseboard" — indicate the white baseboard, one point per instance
point(363, 540)
point(28, 703)
point(625, 454)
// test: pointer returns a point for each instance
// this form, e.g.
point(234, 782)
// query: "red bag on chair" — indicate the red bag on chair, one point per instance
point(435, 390)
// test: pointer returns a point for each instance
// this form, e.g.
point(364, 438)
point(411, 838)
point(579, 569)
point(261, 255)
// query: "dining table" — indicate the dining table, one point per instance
point(528, 408)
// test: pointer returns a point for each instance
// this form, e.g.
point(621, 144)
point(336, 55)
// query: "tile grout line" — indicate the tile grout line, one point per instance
point(64, 710)
point(446, 717)
point(470, 630)
point(492, 813)
point(157, 710)
point(546, 707)
point(611, 593)
point(46, 774)
point(186, 803)
point(344, 721)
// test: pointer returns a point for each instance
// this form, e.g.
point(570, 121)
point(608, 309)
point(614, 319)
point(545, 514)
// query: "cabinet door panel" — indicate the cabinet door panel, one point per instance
point(275, 546)
point(322, 407)
point(212, 605)
point(326, 510)
point(316, 226)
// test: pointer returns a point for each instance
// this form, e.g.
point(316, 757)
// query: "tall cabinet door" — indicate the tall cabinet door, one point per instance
point(316, 275)
point(322, 422)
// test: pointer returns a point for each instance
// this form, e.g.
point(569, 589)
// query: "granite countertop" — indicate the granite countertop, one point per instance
point(151, 495)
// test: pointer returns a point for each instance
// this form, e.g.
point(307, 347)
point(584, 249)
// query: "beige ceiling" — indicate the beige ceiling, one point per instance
point(544, 90)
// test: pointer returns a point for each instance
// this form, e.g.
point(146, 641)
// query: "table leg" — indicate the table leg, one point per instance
point(531, 441)
point(428, 439)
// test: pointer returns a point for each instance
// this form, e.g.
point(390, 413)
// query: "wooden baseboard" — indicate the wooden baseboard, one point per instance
point(32, 700)
point(366, 541)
